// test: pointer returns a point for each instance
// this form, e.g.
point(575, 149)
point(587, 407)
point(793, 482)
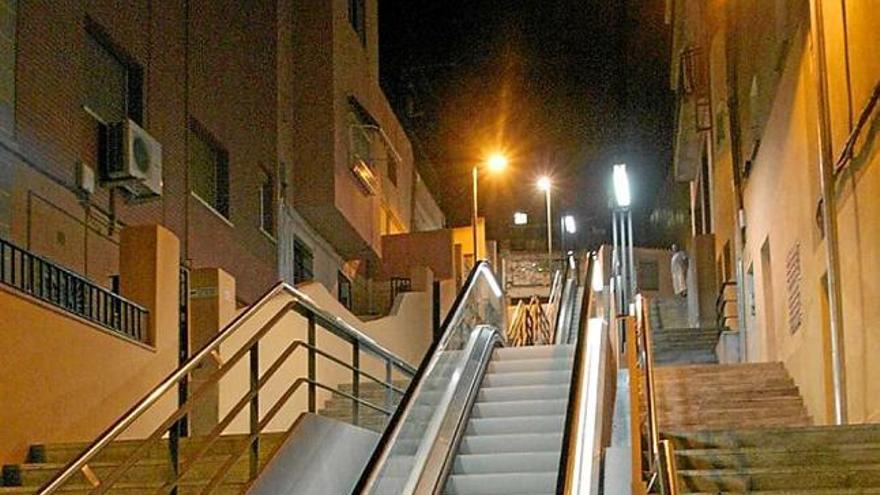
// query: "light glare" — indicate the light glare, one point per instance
point(570, 226)
point(497, 162)
point(544, 183)
point(621, 186)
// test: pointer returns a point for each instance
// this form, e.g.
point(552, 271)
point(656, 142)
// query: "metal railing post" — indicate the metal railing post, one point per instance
point(355, 381)
point(389, 398)
point(174, 452)
point(312, 365)
point(255, 409)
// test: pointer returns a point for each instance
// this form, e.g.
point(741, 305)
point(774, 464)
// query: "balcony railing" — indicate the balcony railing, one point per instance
point(46, 281)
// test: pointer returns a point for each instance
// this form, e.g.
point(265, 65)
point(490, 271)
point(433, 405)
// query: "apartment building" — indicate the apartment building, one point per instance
point(266, 143)
point(752, 122)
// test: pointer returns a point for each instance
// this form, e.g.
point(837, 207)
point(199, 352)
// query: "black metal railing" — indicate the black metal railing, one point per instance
point(46, 281)
point(399, 285)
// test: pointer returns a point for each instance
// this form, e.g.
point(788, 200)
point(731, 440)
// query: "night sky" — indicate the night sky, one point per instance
point(565, 87)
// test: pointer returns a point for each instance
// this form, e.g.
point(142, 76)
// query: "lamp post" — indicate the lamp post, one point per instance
point(496, 163)
point(623, 259)
point(545, 184)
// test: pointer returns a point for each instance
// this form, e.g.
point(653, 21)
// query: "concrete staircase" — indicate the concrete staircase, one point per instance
point(147, 475)
point(514, 437)
point(821, 460)
point(744, 429)
point(674, 341)
point(340, 408)
point(727, 396)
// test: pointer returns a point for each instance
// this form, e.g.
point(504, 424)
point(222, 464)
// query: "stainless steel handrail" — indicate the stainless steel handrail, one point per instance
point(370, 478)
point(661, 458)
point(300, 303)
point(570, 479)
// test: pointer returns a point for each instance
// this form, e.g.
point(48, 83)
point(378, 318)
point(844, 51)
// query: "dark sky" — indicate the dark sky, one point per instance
point(566, 87)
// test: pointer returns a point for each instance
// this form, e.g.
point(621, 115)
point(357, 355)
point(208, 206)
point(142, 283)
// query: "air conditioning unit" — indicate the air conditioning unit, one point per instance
point(133, 160)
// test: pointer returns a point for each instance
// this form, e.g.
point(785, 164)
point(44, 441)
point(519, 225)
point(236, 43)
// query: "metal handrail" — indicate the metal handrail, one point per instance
point(45, 280)
point(572, 451)
point(370, 476)
point(661, 462)
point(316, 318)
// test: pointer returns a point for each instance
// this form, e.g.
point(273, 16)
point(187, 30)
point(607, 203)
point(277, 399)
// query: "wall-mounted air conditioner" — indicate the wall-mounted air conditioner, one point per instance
point(133, 160)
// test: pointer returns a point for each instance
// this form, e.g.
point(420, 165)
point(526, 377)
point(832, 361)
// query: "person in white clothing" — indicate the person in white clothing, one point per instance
point(679, 271)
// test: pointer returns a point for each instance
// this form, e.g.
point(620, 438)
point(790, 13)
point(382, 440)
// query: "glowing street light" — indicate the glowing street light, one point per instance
point(495, 163)
point(569, 223)
point(621, 186)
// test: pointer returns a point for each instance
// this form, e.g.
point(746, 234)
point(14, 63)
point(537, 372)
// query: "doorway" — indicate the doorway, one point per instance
point(769, 308)
point(751, 323)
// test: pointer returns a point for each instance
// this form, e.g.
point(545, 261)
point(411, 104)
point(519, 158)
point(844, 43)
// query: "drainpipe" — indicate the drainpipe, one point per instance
point(829, 212)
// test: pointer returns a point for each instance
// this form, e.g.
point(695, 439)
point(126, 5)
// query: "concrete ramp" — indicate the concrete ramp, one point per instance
point(323, 456)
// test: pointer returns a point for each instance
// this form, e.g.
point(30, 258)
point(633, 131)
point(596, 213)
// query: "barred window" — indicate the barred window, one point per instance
point(303, 262)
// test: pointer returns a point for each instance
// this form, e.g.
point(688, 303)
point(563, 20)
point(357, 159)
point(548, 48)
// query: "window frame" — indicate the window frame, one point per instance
point(7, 128)
point(134, 98)
point(267, 212)
point(302, 271)
point(343, 281)
point(222, 202)
point(357, 19)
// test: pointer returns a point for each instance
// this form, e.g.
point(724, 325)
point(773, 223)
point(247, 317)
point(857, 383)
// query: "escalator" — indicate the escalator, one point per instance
point(482, 418)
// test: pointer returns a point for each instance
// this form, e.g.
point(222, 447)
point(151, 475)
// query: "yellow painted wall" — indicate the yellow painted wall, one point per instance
point(781, 197)
point(65, 379)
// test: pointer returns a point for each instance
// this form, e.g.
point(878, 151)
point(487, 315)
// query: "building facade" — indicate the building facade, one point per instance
point(259, 111)
point(751, 125)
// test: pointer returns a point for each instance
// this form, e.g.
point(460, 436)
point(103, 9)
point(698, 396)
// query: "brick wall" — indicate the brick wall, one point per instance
point(201, 58)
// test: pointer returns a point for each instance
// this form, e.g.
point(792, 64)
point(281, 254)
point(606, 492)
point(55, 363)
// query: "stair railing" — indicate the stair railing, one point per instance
point(415, 452)
point(653, 464)
point(260, 354)
point(590, 400)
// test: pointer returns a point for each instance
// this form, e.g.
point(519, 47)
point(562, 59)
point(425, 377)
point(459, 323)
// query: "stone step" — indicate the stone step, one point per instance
point(703, 423)
point(786, 456)
point(713, 395)
point(133, 489)
point(724, 368)
point(780, 478)
point(746, 409)
point(802, 438)
point(64, 452)
point(143, 472)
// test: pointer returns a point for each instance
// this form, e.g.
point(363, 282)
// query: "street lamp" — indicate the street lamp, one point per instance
point(567, 226)
point(624, 263)
point(495, 163)
point(545, 184)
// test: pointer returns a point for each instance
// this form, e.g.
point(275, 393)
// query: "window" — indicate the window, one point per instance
point(8, 10)
point(357, 17)
point(344, 290)
point(267, 204)
point(208, 170)
point(114, 82)
point(392, 167)
point(303, 262)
